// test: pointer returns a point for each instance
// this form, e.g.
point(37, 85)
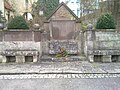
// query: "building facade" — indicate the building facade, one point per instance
point(2, 6)
point(23, 7)
point(6, 9)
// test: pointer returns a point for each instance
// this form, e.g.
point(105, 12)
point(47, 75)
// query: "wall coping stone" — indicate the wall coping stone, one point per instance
point(19, 53)
point(104, 52)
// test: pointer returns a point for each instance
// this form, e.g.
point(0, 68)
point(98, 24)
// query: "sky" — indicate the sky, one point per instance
point(62, 0)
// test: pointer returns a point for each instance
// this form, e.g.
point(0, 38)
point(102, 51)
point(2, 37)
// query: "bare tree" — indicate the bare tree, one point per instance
point(88, 6)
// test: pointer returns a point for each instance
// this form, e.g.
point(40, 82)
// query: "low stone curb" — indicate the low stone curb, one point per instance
point(38, 76)
point(24, 73)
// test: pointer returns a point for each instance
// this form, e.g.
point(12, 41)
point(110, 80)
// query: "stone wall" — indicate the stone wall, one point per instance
point(24, 45)
point(107, 40)
point(20, 35)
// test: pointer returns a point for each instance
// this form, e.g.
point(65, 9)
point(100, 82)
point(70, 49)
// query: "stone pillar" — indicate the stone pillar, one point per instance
point(106, 59)
point(82, 42)
point(89, 43)
point(20, 59)
point(4, 59)
point(45, 48)
point(35, 58)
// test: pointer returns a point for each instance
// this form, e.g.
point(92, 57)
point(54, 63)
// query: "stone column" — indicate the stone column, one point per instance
point(35, 58)
point(20, 59)
point(106, 59)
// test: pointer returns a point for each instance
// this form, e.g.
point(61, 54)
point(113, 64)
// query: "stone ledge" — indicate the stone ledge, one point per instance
point(19, 53)
point(65, 59)
point(72, 52)
point(104, 52)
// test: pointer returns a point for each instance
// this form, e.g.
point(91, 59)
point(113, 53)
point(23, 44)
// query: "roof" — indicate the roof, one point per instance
point(7, 6)
point(63, 4)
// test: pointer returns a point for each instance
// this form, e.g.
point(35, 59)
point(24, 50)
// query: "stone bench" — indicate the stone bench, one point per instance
point(19, 56)
point(104, 56)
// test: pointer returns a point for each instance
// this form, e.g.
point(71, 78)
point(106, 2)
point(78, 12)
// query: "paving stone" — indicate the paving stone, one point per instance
point(54, 75)
point(69, 76)
point(46, 76)
point(66, 67)
point(73, 76)
point(77, 76)
point(58, 76)
point(40, 76)
point(65, 76)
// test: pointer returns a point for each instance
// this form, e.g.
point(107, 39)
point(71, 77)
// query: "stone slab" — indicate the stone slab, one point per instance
point(70, 46)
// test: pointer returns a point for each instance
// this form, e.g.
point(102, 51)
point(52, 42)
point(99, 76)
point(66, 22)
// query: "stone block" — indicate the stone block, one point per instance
point(91, 58)
point(106, 59)
point(20, 59)
point(35, 58)
point(1, 58)
point(4, 60)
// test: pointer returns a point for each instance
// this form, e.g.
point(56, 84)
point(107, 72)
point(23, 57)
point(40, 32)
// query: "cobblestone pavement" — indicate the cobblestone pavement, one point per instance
point(75, 69)
point(38, 76)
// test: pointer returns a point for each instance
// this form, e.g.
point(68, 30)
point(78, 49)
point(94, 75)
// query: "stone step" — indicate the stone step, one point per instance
point(63, 59)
